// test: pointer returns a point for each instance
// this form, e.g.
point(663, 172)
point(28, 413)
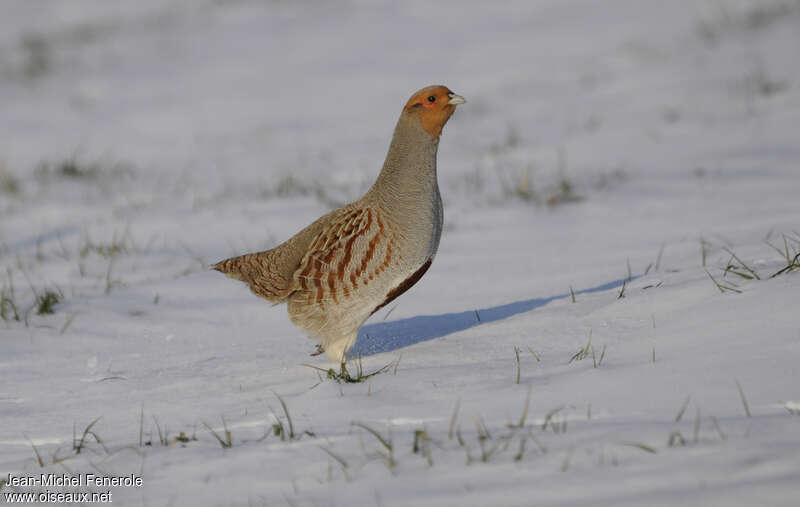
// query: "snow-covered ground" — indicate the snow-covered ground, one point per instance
point(141, 141)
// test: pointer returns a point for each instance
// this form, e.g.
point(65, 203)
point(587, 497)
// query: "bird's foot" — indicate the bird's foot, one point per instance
point(320, 350)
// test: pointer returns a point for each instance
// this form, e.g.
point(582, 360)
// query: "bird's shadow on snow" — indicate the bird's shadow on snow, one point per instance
point(389, 336)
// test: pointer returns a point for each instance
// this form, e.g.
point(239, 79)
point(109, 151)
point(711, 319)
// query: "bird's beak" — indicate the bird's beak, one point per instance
point(456, 99)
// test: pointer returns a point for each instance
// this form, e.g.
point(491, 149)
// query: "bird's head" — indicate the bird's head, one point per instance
point(433, 105)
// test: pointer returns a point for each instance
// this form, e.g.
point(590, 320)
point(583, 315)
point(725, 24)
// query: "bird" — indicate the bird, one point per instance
point(342, 268)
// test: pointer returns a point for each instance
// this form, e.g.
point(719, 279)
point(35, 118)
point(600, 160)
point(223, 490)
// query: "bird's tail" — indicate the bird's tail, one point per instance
point(231, 267)
point(257, 271)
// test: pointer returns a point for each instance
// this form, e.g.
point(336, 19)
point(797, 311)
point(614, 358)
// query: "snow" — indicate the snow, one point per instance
point(201, 130)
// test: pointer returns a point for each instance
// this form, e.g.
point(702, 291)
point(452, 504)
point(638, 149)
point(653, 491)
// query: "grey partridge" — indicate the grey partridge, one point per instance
point(351, 262)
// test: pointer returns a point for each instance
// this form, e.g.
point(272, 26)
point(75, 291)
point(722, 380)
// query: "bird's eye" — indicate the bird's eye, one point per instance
point(431, 99)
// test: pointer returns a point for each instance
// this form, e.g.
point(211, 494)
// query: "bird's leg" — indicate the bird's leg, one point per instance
point(320, 350)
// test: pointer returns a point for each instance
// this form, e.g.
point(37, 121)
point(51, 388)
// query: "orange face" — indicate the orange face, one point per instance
point(434, 105)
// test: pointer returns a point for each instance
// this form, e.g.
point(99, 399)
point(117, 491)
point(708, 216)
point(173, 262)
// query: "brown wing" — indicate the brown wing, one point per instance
point(346, 257)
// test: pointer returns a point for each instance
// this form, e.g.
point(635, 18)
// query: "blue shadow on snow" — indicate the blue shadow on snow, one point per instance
point(389, 336)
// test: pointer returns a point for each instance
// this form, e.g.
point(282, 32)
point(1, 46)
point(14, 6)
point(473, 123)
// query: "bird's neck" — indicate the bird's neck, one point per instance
point(408, 178)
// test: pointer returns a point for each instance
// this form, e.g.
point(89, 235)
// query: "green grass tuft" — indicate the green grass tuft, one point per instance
point(343, 375)
point(224, 440)
point(47, 300)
